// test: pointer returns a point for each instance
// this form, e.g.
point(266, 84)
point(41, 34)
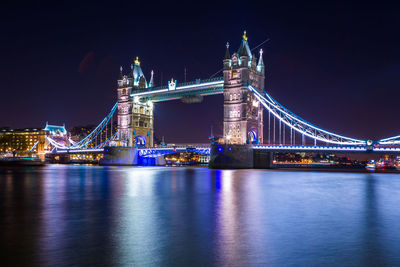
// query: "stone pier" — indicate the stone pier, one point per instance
point(120, 156)
point(239, 157)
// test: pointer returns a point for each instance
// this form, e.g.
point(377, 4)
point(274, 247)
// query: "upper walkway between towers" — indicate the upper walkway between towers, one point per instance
point(175, 90)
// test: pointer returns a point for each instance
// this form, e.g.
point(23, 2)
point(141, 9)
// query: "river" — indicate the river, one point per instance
point(77, 215)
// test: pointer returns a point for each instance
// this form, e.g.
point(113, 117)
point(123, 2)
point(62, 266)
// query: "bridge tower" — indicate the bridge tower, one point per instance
point(124, 117)
point(243, 114)
point(135, 118)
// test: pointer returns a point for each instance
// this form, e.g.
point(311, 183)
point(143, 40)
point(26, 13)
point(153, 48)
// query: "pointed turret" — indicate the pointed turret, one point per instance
point(120, 81)
point(138, 73)
point(120, 73)
point(260, 66)
point(151, 84)
point(244, 52)
point(131, 72)
point(227, 54)
point(244, 49)
point(227, 58)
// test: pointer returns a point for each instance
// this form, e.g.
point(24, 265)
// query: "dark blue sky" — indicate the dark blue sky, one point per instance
point(336, 65)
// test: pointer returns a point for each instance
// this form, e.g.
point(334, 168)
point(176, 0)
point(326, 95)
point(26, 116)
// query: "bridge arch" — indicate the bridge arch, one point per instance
point(252, 137)
point(140, 140)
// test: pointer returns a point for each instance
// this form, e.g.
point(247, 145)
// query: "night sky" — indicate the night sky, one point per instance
point(335, 65)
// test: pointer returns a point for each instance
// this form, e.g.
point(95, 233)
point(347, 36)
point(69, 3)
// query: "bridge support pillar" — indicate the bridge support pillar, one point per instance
point(120, 156)
point(58, 158)
point(231, 157)
point(160, 161)
point(263, 159)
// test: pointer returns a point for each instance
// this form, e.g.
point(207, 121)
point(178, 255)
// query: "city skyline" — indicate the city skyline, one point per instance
point(71, 77)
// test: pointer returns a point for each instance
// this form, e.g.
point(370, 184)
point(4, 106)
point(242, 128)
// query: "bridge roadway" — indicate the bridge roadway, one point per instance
point(142, 151)
point(205, 149)
point(343, 149)
point(160, 151)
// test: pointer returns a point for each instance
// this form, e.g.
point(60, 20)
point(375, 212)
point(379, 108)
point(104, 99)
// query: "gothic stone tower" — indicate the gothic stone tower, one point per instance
point(243, 114)
point(135, 118)
point(124, 110)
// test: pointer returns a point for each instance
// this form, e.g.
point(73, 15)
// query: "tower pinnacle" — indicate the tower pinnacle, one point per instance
point(260, 65)
point(244, 36)
point(131, 72)
point(151, 84)
point(120, 72)
point(261, 61)
point(227, 54)
point(137, 62)
point(244, 49)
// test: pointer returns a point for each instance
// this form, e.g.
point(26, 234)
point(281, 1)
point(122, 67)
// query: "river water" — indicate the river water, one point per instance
point(67, 215)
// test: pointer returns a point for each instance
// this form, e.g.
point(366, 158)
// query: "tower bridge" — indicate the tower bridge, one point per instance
point(245, 102)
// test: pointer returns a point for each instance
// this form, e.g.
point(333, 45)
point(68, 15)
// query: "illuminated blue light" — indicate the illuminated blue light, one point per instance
point(291, 120)
point(194, 86)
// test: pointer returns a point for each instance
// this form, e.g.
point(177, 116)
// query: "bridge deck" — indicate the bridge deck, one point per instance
point(274, 148)
point(344, 149)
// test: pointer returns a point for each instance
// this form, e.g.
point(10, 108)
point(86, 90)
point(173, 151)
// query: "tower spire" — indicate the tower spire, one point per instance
point(138, 75)
point(131, 73)
point(244, 36)
point(137, 62)
point(151, 84)
point(227, 54)
point(120, 72)
point(260, 65)
point(244, 49)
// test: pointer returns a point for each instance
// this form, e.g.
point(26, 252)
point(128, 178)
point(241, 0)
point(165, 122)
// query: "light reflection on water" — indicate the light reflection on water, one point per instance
point(115, 216)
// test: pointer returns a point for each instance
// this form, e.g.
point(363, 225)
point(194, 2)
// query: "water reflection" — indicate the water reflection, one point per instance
point(228, 231)
point(88, 215)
